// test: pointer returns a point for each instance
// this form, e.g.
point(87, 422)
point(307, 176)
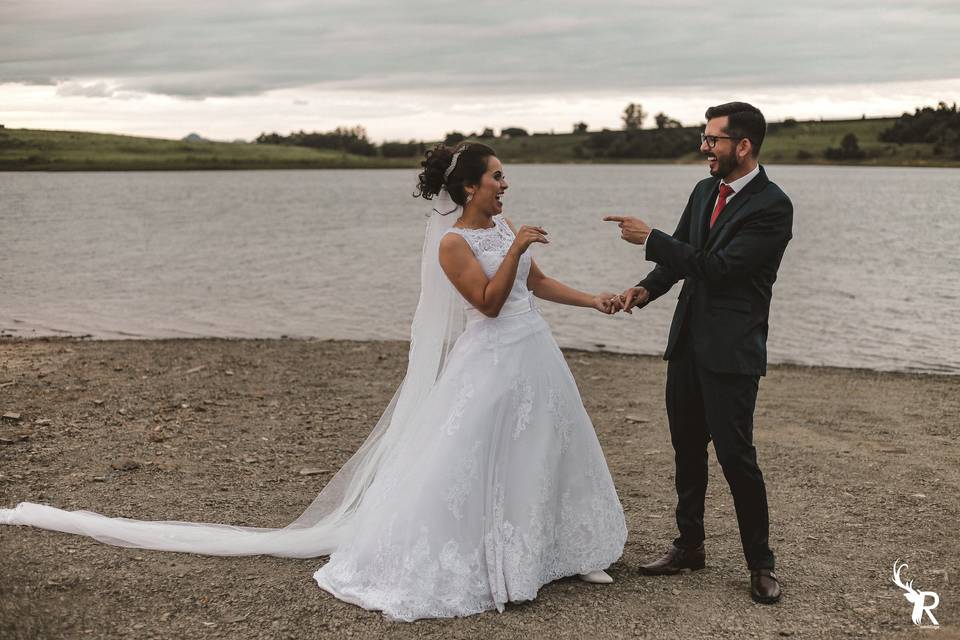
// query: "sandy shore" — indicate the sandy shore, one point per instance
point(861, 468)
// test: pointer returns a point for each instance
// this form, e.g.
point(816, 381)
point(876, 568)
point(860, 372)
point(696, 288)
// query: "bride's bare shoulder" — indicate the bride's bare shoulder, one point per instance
point(453, 244)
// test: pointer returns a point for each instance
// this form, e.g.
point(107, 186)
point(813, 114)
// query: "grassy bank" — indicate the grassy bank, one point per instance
point(786, 143)
point(35, 150)
point(799, 143)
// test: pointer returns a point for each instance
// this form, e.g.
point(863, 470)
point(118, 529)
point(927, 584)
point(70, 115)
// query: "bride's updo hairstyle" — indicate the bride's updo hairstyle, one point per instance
point(471, 164)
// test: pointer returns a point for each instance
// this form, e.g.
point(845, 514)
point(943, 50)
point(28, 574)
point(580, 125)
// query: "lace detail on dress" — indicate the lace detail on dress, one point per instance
point(461, 565)
point(456, 411)
point(562, 421)
point(468, 472)
point(494, 548)
point(525, 407)
point(496, 239)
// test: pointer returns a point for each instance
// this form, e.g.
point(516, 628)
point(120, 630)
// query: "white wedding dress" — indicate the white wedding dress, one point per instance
point(487, 485)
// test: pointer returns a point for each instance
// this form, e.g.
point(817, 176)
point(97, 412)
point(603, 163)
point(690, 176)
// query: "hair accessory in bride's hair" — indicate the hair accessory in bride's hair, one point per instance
point(453, 162)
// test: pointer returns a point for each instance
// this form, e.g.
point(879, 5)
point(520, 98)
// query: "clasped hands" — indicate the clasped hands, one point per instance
point(634, 231)
point(610, 303)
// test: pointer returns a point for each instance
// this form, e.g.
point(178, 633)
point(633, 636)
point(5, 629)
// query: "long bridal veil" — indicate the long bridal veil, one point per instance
point(437, 323)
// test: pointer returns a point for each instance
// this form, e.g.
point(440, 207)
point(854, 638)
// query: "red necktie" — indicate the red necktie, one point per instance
point(725, 192)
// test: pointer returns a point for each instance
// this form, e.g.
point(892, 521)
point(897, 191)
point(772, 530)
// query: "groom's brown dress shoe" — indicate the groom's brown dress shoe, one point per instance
point(676, 560)
point(764, 586)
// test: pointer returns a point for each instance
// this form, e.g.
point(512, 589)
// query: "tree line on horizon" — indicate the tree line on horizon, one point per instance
point(939, 127)
point(669, 139)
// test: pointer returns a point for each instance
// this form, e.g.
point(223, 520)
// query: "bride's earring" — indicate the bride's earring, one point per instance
point(469, 198)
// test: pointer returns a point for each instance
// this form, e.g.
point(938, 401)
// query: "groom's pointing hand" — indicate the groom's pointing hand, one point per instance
point(633, 230)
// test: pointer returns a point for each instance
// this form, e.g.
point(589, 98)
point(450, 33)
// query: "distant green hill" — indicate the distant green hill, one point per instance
point(786, 143)
point(36, 150)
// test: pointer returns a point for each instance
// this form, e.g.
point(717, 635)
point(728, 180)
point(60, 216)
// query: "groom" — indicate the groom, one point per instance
point(726, 249)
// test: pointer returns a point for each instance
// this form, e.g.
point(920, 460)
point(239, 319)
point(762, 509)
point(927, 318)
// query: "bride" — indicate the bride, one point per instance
point(483, 480)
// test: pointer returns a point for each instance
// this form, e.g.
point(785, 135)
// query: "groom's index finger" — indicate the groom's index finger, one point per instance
point(614, 219)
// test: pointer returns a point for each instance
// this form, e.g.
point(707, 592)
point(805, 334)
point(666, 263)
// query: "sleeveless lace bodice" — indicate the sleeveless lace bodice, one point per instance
point(490, 246)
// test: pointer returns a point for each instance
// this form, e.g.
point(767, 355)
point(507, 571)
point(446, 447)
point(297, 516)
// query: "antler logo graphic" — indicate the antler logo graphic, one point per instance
point(917, 598)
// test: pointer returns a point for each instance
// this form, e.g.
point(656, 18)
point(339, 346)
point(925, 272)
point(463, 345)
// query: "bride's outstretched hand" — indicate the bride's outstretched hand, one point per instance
point(527, 236)
point(608, 303)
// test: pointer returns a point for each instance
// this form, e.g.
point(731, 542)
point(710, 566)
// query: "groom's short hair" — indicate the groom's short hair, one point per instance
point(745, 121)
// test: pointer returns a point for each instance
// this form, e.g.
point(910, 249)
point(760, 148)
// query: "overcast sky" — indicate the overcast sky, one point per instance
point(417, 69)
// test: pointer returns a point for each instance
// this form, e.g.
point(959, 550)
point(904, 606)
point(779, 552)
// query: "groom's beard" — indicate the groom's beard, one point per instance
point(725, 165)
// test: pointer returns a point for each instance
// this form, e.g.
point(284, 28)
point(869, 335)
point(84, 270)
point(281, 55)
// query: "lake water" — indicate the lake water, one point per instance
point(870, 280)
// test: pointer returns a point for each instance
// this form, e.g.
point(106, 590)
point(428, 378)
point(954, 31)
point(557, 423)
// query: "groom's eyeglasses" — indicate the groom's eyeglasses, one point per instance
point(712, 140)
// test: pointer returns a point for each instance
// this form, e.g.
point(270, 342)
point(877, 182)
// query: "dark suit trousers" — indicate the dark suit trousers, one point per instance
point(704, 405)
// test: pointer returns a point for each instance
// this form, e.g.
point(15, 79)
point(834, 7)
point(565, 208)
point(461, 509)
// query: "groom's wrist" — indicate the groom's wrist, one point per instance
point(646, 287)
point(652, 238)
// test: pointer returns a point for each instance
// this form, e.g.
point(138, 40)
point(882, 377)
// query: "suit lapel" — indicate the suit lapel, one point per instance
point(736, 204)
point(702, 223)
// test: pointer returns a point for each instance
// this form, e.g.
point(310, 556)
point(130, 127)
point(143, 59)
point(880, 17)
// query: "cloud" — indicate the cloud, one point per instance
point(197, 51)
point(94, 90)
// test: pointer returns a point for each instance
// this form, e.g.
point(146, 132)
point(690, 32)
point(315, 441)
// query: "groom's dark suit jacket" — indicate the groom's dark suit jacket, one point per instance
point(728, 273)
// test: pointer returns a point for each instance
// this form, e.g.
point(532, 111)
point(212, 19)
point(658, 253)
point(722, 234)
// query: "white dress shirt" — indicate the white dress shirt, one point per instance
point(738, 185)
